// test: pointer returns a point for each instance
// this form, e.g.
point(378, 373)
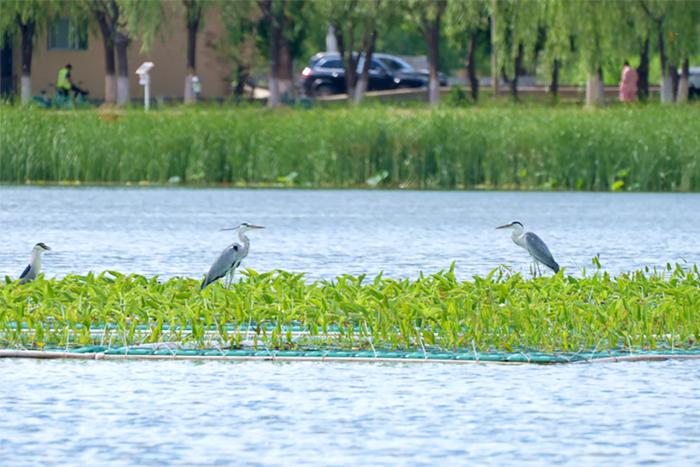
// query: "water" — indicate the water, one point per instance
point(214, 413)
point(146, 413)
point(175, 232)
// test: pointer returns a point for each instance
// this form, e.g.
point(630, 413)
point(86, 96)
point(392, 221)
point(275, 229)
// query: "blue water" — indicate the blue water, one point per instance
point(325, 233)
point(260, 413)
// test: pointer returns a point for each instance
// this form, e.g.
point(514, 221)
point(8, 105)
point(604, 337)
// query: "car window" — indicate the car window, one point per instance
point(376, 66)
point(333, 63)
point(392, 64)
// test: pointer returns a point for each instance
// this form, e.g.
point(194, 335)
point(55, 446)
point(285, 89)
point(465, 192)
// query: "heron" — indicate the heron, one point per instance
point(231, 257)
point(34, 267)
point(533, 244)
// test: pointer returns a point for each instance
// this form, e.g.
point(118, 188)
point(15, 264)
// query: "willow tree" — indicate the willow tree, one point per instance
point(139, 19)
point(595, 24)
point(26, 17)
point(241, 19)
point(558, 48)
point(684, 34)
point(675, 25)
point(464, 20)
point(428, 14)
point(517, 32)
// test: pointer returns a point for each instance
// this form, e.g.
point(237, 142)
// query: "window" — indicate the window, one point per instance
point(65, 34)
point(332, 64)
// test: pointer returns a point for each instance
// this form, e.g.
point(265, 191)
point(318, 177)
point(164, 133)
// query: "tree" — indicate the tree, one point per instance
point(106, 13)
point(242, 20)
point(194, 9)
point(428, 14)
point(663, 14)
point(136, 18)
point(684, 42)
point(351, 20)
point(26, 17)
point(595, 26)
point(464, 20)
point(558, 50)
point(517, 32)
point(284, 24)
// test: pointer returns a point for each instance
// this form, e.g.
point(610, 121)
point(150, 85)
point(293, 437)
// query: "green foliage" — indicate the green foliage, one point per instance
point(499, 312)
point(524, 147)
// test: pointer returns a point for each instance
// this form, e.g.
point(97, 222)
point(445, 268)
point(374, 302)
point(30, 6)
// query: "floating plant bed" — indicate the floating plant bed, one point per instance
point(502, 317)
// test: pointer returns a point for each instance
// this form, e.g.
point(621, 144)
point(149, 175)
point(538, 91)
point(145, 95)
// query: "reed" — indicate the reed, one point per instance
point(650, 148)
point(502, 311)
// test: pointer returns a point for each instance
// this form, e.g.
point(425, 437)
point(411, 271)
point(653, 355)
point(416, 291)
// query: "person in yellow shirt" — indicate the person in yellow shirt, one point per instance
point(64, 84)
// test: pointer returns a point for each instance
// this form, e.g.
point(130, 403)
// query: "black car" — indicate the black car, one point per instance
point(325, 74)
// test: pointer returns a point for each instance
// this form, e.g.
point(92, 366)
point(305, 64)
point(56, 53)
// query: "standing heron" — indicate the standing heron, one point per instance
point(533, 244)
point(34, 267)
point(231, 257)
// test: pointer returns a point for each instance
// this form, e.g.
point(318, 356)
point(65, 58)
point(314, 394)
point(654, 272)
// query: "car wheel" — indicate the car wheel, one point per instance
point(324, 90)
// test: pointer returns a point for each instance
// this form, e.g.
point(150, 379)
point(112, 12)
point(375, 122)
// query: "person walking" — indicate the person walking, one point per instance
point(628, 83)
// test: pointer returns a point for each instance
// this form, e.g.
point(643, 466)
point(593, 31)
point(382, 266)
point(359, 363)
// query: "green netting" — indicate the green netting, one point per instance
point(378, 355)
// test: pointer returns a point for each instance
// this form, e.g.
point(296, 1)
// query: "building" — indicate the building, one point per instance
point(58, 44)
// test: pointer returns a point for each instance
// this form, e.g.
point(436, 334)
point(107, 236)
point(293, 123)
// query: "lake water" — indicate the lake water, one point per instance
point(225, 413)
point(325, 233)
point(255, 413)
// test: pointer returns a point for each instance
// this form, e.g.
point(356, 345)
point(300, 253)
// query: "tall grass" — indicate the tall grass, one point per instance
point(500, 312)
point(650, 148)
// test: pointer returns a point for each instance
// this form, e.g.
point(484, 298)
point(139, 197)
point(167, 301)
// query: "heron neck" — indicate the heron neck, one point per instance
point(244, 239)
point(517, 236)
point(36, 259)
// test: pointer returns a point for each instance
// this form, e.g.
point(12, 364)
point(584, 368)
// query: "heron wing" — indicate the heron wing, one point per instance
point(26, 271)
point(538, 250)
point(228, 259)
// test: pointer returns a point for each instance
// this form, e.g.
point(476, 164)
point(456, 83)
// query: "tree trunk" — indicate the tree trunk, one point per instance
point(643, 72)
point(431, 31)
point(673, 73)
point(517, 65)
point(471, 67)
point(242, 73)
point(107, 30)
point(121, 43)
point(554, 84)
point(682, 94)
point(594, 96)
point(666, 83)
point(368, 49)
point(192, 29)
point(27, 30)
point(346, 58)
point(285, 74)
point(494, 58)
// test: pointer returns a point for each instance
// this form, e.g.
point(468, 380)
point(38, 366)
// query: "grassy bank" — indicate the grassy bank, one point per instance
point(650, 148)
point(500, 312)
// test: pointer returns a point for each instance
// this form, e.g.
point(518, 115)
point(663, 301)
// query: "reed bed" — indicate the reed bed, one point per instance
point(650, 148)
point(501, 312)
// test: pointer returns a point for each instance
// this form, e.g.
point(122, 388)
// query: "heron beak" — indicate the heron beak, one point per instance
point(504, 226)
point(47, 248)
point(257, 226)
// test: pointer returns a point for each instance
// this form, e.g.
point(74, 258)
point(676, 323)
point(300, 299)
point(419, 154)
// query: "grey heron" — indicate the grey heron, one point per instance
point(231, 257)
point(34, 267)
point(533, 244)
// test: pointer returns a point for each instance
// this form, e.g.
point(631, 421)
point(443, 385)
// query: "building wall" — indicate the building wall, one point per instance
point(168, 53)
